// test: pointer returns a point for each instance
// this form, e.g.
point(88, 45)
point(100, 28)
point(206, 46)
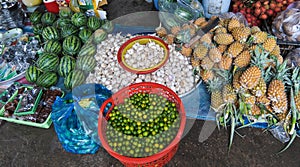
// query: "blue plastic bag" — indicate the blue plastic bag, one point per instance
point(94, 95)
point(68, 128)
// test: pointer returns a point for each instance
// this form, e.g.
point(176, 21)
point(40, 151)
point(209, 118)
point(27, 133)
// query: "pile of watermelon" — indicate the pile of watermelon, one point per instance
point(70, 41)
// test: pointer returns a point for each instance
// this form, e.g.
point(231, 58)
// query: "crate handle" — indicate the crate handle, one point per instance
point(103, 106)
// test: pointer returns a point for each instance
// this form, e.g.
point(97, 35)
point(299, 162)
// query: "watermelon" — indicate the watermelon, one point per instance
point(65, 12)
point(47, 79)
point(107, 26)
point(48, 18)
point(86, 63)
point(87, 50)
point(72, 45)
point(66, 65)
point(48, 62)
point(75, 78)
point(38, 29)
point(93, 23)
point(85, 34)
point(79, 19)
point(35, 17)
point(99, 36)
point(53, 46)
point(61, 22)
point(49, 33)
point(32, 73)
point(68, 30)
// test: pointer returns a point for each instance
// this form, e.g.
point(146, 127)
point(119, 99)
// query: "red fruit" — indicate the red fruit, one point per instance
point(241, 6)
point(279, 1)
point(277, 9)
point(243, 11)
point(284, 2)
point(257, 4)
point(263, 16)
point(283, 8)
point(279, 5)
point(290, 1)
point(263, 9)
point(248, 10)
point(267, 6)
point(258, 22)
point(253, 18)
point(272, 5)
point(270, 12)
point(248, 15)
point(257, 12)
point(266, 2)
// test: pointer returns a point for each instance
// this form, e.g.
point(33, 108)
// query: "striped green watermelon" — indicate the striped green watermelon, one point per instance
point(86, 63)
point(65, 12)
point(85, 34)
point(48, 18)
point(61, 22)
point(99, 36)
point(47, 79)
point(72, 45)
point(83, 27)
point(79, 19)
point(93, 23)
point(38, 29)
point(66, 65)
point(35, 17)
point(68, 30)
point(49, 33)
point(75, 78)
point(107, 26)
point(87, 50)
point(32, 73)
point(53, 46)
point(48, 62)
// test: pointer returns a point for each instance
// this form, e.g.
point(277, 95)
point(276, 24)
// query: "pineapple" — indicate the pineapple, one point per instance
point(276, 90)
point(222, 48)
point(235, 49)
point(223, 39)
point(233, 23)
point(199, 21)
point(195, 61)
point(260, 37)
point(255, 29)
point(175, 30)
point(220, 30)
point(206, 38)
point(236, 80)
point(260, 89)
point(250, 78)
point(200, 51)
point(216, 100)
point(161, 31)
point(280, 106)
point(206, 63)
point(283, 116)
point(190, 28)
point(243, 59)
point(207, 75)
point(263, 100)
point(255, 110)
point(224, 22)
point(225, 63)
point(269, 44)
point(250, 100)
point(279, 58)
point(228, 94)
point(241, 34)
point(186, 51)
point(297, 101)
point(276, 51)
point(215, 55)
point(170, 39)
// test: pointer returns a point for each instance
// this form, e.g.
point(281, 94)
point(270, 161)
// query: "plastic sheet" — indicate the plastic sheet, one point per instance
point(279, 133)
point(69, 130)
point(88, 100)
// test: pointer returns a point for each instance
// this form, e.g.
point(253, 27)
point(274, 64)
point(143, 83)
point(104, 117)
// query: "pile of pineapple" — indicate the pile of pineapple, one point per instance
point(245, 74)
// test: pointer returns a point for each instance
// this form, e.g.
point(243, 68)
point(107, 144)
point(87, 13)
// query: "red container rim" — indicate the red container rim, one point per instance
point(148, 70)
point(153, 157)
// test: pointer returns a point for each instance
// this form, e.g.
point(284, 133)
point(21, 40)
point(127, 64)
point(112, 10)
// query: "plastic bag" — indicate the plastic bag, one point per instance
point(88, 100)
point(69, 130)
point(279, 133)
point(293, 58)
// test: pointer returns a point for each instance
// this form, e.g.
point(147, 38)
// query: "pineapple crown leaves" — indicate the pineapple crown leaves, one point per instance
point(215, 85)
point(282, 73)
point(296, 79)
point(260, 57)
point(224, 75)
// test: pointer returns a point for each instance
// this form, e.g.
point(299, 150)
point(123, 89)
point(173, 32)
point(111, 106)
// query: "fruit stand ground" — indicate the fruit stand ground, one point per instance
point(29, 146)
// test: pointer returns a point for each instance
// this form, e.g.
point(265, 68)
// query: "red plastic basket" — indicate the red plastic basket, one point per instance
point(158, 159)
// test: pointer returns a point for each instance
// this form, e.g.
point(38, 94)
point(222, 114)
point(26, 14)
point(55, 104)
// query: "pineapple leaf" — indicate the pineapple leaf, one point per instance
point(294, 113)
point(231, 131)
point(289, 144)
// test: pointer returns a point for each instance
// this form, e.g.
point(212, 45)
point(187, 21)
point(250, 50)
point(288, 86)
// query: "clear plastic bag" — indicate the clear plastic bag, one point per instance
point(280, 134)
point(69, 130)
point(88, 100)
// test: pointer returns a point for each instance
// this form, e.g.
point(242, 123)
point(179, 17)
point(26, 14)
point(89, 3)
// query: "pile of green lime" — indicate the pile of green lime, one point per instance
point(143, 125)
